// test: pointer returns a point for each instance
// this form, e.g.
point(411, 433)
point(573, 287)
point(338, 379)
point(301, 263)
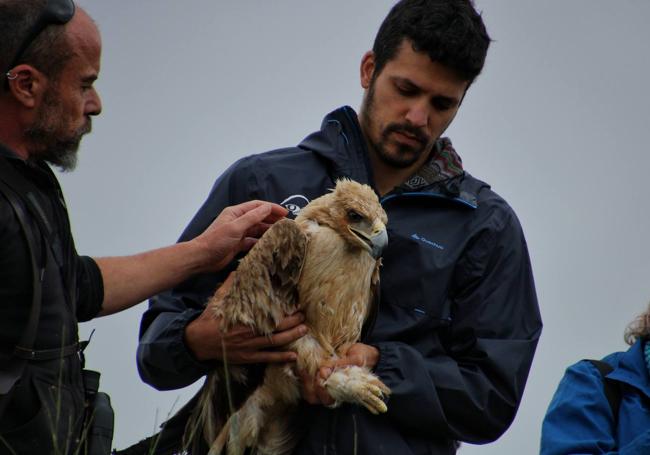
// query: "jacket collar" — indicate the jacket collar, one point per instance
point(341, 142)
point(632, 369)
point(6, 152)
point(36, 170)
point(444, 164)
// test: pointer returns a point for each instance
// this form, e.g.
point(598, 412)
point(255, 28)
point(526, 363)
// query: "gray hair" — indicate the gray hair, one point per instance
point(638, 328)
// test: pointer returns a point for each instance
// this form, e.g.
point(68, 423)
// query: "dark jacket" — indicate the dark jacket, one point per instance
point(580, 418)
point(48, 399)
point(458, 321)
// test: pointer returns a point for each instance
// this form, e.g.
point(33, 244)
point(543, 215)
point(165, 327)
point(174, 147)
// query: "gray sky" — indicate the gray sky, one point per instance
point(556, 123)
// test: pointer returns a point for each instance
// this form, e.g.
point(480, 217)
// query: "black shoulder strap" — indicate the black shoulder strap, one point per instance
point(13, 369)
point(27, 192)
point(611, 388)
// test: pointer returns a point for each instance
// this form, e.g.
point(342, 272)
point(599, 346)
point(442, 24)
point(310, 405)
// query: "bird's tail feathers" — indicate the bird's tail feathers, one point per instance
point(203, 420)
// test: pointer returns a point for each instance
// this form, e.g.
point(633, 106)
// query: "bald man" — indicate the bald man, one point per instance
point(50, 58)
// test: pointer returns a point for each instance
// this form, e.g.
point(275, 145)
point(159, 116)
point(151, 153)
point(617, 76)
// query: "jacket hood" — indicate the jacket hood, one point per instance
point(632, 368)
point(341, 143)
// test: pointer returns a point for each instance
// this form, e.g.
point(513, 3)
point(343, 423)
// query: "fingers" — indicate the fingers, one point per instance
point(279, 338)
point(255, 222)
point(308, 393)
point(258, 230)
point(249, 219)
point(276, 211)
point(240, 209)
point(352, 360)
point(239, 335)
point(313, 391)
point(323, 396)
point(290, 321)
point(358, 354)
point(289, 329)
point(324, 372)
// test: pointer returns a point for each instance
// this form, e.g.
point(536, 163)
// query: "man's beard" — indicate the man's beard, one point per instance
point(406, 155)
point(50, 137)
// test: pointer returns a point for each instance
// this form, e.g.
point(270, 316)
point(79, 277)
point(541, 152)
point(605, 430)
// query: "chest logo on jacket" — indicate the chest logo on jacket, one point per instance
point(295, 203)
point(426, 241)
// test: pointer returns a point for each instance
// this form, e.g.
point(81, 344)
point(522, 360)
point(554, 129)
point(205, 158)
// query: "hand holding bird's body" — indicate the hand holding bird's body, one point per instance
point(207, 340)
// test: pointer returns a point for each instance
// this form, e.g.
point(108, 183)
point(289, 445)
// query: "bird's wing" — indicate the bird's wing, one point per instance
point(265, 285)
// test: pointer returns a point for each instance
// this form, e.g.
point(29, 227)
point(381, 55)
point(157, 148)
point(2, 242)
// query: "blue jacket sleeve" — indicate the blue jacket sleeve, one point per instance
point(163, 359)
point(579, 418)
point(470, 389)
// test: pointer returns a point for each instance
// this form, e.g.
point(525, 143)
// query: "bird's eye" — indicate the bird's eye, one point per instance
point(354, 216)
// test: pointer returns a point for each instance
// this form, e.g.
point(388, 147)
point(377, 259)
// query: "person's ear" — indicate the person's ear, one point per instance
point(367, 69)
point(26, 84)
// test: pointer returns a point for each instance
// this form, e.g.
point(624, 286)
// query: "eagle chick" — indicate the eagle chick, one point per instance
point(325, 264)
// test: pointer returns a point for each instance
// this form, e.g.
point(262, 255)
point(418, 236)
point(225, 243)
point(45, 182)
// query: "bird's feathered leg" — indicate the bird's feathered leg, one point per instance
point(351, 384)
point(354, 384)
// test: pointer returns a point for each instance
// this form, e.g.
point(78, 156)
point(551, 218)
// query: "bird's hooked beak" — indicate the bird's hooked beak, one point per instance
point(376, 240)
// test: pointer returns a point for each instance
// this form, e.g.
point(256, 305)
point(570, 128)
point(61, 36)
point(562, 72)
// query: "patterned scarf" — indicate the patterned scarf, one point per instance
point(444, 164)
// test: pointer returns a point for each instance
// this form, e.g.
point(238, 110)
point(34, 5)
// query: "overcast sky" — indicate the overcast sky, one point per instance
point(557, 124)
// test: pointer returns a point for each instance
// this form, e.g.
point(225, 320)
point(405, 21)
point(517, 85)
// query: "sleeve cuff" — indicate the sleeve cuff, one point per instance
point(90, 289)
point(183, 354)
point(164, 361)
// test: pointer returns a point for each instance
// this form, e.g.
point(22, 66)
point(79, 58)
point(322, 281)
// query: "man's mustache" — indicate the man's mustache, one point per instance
point(86, 128)
point(409, 129)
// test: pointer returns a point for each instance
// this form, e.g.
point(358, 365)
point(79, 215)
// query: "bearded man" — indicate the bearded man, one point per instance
point(459, 321)
point(50, 57)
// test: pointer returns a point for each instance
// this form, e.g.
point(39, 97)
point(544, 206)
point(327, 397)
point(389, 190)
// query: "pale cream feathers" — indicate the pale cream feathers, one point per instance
point(325, 263)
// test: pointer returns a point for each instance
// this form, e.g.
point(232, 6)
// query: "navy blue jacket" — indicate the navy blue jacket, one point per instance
point(458, 321)
point(579, 418)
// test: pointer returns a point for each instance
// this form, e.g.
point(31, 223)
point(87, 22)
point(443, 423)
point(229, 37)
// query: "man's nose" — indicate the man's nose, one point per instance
point(94, 104)
point(418, 115)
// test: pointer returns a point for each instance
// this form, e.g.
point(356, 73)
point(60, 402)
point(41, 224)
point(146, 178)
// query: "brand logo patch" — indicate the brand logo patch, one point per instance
point(295, 203)
point(419, 238)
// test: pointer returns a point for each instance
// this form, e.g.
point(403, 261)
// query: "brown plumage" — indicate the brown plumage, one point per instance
point(326, 264)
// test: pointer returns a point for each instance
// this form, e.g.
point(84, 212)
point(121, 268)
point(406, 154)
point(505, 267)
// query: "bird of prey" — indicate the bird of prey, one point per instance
point(325, 264)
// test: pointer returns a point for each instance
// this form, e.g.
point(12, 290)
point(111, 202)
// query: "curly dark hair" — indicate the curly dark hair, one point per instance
point(49, 51)
point(451, 32)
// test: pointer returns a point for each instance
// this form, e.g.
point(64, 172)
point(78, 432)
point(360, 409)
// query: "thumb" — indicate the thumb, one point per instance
point(325, 372)
point(247, 243)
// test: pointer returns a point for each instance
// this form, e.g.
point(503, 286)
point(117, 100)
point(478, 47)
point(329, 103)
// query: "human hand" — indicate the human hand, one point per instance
point(358, 354)
point(242, 345)
point(236, 229)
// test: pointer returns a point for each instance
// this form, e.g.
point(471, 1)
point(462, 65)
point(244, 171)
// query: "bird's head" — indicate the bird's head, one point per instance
point(353, 210)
